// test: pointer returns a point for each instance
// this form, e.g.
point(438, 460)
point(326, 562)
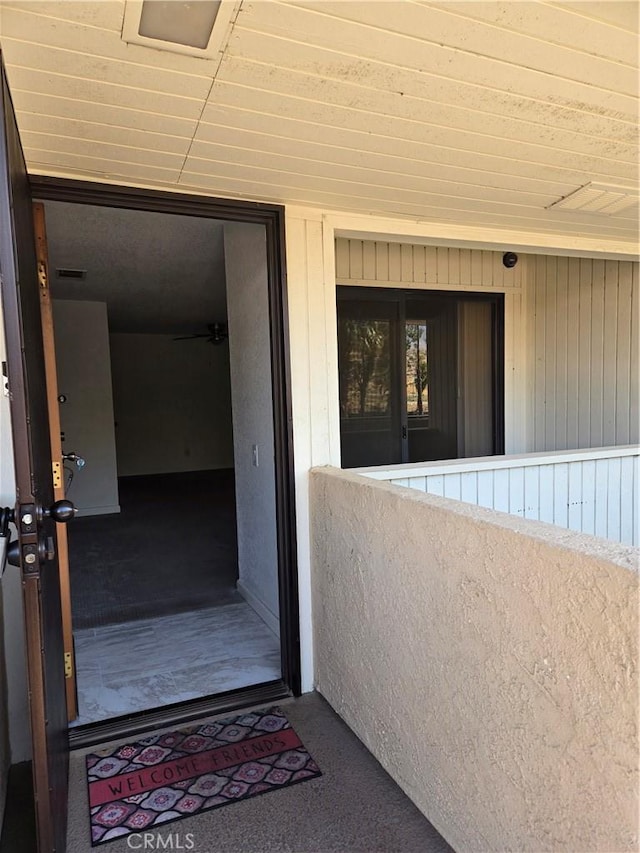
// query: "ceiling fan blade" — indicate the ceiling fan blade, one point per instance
point(190, 337)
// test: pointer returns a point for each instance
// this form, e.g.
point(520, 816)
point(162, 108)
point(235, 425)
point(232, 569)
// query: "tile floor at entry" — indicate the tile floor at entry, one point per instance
point(136, 666)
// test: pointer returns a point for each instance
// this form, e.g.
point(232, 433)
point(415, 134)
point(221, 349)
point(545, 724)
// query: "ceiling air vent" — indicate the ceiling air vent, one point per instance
point(64, 272)
point(599, 198)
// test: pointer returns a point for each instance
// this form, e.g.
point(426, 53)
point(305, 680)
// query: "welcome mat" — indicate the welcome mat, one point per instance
point(166, 777)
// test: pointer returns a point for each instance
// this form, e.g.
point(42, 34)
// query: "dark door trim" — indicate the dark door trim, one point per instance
point(272, 217)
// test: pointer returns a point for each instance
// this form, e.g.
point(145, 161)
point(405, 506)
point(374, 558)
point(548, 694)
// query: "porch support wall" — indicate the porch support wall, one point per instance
point(311, 239)
point(486, 661)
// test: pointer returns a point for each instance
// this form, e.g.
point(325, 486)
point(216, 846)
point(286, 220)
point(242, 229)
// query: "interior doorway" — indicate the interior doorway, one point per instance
point(171, 406)
point(421, 375)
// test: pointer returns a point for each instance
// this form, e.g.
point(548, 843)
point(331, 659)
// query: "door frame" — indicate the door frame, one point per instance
point(45, 188)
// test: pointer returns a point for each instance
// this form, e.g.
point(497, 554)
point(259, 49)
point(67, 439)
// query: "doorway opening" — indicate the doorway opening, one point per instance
point(421, 375)
point(172, 386)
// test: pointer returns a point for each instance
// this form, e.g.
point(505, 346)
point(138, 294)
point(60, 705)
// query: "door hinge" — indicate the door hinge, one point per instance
point(68, 665)
point(57, 474)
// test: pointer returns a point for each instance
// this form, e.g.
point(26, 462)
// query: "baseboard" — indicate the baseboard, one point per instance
point(98, 510)
point(271, 621)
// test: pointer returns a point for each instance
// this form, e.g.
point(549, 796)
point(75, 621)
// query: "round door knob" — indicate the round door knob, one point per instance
point(61, 511)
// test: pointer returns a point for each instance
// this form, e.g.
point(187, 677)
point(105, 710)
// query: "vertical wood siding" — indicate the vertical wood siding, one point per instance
point(570, 323)
point(582, 333)
point(373, 262)
point(591, 492)
point(378, 263)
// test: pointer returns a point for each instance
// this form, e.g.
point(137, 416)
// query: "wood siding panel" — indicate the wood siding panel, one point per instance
point(582, 353)
point(589, 492)
point(441, 266)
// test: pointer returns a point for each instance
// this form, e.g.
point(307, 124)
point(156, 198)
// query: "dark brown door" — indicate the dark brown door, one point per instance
point(48, 339)
point(34, 487)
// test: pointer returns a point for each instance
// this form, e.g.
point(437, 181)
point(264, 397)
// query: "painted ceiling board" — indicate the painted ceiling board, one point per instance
point(470, 165)
point(416, 106)
point(108, 151)
point(566, 27)
point(363, 176)
point(396, 163)
point(107, 70)
point(106, 14)
point(143, 140)
point(252, 188)
point(107, 115)
point(475, 113)
point(444, 99)
point(277, 100)
point(98, 166)
point(380, 31)
point(623, 15)
point(98, 92)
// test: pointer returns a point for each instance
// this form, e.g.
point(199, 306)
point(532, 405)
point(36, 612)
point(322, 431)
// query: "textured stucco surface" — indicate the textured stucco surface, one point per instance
point(487, 662)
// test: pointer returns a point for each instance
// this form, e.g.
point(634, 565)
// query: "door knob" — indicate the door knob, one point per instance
point(13, 553)
point(61, 511)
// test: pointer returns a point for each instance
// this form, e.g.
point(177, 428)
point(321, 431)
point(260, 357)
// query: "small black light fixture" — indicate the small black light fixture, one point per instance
point(509, 259)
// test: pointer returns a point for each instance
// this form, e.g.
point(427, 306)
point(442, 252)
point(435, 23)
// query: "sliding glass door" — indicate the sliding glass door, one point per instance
point(369, 393)
point(421, 375)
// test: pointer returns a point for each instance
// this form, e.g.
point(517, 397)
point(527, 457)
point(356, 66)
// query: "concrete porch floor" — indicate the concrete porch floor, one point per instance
point(354, 806)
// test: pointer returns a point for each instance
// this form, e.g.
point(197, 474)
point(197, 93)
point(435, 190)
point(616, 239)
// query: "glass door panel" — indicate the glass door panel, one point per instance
point(420, 375)
point(369, 412)
point(430, 355)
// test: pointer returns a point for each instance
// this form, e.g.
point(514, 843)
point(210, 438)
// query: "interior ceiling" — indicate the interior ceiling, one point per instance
point(157, 272)
point(474, 113)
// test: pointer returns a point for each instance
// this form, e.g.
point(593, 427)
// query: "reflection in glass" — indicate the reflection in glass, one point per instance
point(364, 357)
point(416, 369)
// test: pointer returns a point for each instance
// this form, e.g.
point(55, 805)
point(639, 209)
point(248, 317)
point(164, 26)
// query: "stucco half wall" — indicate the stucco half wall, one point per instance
point(486, 661)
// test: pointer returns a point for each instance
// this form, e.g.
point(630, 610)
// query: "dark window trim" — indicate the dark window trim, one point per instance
point(400, 296)
point(272, 217)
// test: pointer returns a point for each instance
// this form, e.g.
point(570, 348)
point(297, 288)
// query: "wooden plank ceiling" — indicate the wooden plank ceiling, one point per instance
point(479, 113)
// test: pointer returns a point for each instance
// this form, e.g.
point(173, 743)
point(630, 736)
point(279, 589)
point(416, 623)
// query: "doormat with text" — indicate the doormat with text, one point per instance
point(134, 787)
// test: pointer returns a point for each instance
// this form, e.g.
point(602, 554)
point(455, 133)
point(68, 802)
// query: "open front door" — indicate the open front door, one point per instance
point(34, 487)
point(48, 338)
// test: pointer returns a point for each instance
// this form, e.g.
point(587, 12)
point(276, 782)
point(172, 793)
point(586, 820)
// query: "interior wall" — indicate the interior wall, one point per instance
point(583, 319)
point(505, 699)
point(86, 418)
point(172, 404)
point(251, 384)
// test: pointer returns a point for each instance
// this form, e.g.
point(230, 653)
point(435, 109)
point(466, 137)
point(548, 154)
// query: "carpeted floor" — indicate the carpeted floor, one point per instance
point(354, 807)
point(171, 549)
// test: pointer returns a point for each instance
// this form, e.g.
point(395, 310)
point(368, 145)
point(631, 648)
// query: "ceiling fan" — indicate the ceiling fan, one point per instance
point(217, 334)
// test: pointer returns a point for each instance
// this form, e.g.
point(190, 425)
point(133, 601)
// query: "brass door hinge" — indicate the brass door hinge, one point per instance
point(57, 474)
point(68, 664)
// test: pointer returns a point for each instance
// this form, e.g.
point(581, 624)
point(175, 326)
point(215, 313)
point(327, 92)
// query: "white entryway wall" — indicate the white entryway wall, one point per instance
point(311, 236)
